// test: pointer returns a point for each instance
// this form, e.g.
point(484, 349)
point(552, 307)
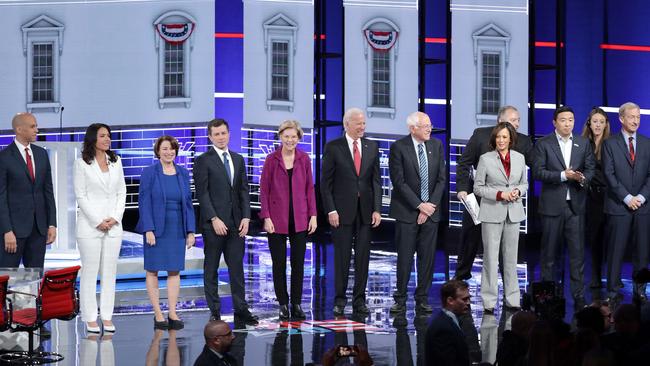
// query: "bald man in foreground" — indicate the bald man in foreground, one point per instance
point(27, 209)
point(218, 339)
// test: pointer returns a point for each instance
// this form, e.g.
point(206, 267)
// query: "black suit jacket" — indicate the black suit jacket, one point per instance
point(209, 358)
point(217, 197)
point(549, 163)
point(24, 203)
point(478, 145)
point(445, 343)
point(340, 186)
point(405, 177)
point(622, 176)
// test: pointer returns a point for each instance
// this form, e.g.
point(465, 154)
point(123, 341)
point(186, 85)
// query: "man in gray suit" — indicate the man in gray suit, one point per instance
point(565, 164)
point(418, 175)
point(626, 165)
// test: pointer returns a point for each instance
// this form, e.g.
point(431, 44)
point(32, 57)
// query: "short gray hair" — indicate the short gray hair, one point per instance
point(626, 106)
point(413, 118)
point(351, 112)
point(502, 111)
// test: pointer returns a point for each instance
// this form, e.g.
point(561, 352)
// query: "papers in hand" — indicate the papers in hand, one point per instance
point(472, 207)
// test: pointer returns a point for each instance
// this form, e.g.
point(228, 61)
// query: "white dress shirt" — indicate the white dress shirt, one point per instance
point(21, 148)
point(232, 167)
point(565, 147)
point(351, 146)
point(424, 147)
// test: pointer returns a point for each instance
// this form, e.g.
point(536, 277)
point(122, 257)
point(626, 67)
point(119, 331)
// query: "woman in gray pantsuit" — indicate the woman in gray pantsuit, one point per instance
point(501, 181)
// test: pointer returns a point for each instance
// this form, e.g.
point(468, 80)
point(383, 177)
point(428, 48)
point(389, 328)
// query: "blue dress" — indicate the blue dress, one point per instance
point(169, 252)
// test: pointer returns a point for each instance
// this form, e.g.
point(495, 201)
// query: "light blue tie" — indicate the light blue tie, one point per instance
point(424, 175)
point(226, 163)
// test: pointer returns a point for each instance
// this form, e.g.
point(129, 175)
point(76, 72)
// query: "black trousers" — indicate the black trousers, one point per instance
point(565, 228)
point(470, 242)
point(278, 248)
point(596, 235)
point(31, 250)
point(343, 237)
point(621, 230)
point(412, 238)
point(232, 247)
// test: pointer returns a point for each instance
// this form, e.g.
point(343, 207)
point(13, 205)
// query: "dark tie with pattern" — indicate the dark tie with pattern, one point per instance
point(226, 163)
point(424, 174)
point(30, 166)
point(631, 148)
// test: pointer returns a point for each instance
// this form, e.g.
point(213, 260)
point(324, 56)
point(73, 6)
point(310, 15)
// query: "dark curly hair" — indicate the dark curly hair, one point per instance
point(90, 139)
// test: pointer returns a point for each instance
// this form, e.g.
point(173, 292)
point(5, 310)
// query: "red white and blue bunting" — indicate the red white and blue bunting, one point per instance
point(381, 40)
point(175, 33)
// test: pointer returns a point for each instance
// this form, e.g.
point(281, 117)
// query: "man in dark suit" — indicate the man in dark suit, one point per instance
point(222, 191)
point(479, 144)
point(218, 340)
point(351, 192)
point(418, 174)
point(626, 165)
point(27, 209)
point(565, 164)
point(445, 342)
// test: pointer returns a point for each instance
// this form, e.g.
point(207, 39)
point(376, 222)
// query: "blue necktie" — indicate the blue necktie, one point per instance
point(424, 175)
point(226, 163)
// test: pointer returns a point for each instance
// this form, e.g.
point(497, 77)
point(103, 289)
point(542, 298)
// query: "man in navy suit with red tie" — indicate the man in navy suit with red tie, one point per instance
point(626, 164)
point(27, 208)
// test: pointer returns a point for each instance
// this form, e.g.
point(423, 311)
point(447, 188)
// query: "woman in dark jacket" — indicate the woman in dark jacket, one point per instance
point(597, 130)
point(168, 224)
point(288, 208)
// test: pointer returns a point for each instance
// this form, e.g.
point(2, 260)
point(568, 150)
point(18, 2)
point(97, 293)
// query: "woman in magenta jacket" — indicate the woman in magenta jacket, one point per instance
point(288, 210)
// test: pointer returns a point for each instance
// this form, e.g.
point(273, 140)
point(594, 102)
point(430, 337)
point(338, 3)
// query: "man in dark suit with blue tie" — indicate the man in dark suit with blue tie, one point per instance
point(418, 174)
point(27, 208)
point(445, 342)
point(222, 191)
point(351, 191)
point(626, 165)
point(564, 163)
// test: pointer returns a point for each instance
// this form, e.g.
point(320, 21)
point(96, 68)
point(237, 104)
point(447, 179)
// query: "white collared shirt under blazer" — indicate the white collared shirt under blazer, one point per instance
point(491, 178)
point(99, 196)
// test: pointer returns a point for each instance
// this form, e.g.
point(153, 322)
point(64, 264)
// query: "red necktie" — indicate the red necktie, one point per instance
point(631, 148)
point(357, 157)
point(30, 167)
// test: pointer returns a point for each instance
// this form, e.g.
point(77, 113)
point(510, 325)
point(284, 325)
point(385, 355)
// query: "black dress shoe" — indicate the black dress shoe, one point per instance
point(423, 308)
point(162, 325)
point(175, 324)
point(247, 317)
point(284, 312)
point(462, 278)
point(215, 316)
point(511, 309)
point(488, 311)
point(338, 310)
point(361, 309)
point(398, 308)
point(297, 313)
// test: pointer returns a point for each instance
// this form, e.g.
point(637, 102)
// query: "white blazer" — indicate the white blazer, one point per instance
point(99, 196)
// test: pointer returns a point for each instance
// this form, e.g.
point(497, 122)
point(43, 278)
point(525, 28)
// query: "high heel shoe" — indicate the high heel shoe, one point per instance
point(175, 324)
point(108, 328)
point(297, 313)
point(92, 329)
point(284, 312)
point(162, 325)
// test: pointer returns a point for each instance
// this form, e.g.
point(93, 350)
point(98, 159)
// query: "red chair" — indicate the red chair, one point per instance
point(5, 304)
point(57, 298)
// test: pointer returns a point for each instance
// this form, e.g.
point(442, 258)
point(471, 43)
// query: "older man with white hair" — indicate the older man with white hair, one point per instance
point(351, 193)
point(418, 173)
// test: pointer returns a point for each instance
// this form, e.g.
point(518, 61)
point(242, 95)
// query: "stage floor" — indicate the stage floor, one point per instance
point(388, 341)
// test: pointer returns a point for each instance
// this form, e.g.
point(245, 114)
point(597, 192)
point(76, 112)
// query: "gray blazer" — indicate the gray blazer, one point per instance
point(491, 178)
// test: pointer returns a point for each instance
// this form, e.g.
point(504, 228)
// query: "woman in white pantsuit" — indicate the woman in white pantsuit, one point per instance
point(101, 195)
point(501, 180)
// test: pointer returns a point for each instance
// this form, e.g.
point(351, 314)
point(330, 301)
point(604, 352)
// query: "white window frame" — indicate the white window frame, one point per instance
point(490, 39)
point(43, 29)
point(174, 16)
point(380, 24)
point(280, 28)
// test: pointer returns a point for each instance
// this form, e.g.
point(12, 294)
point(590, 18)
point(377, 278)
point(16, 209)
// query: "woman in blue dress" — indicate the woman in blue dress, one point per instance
point(168, 224)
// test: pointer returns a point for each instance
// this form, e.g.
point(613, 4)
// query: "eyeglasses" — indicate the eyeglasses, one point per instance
point(425, 127)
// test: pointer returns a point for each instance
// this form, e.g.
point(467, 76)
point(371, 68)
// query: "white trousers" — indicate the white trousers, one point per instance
point(98, 256)
point(503, 236)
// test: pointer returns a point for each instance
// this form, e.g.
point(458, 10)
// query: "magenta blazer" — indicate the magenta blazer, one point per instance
point(274, 191)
